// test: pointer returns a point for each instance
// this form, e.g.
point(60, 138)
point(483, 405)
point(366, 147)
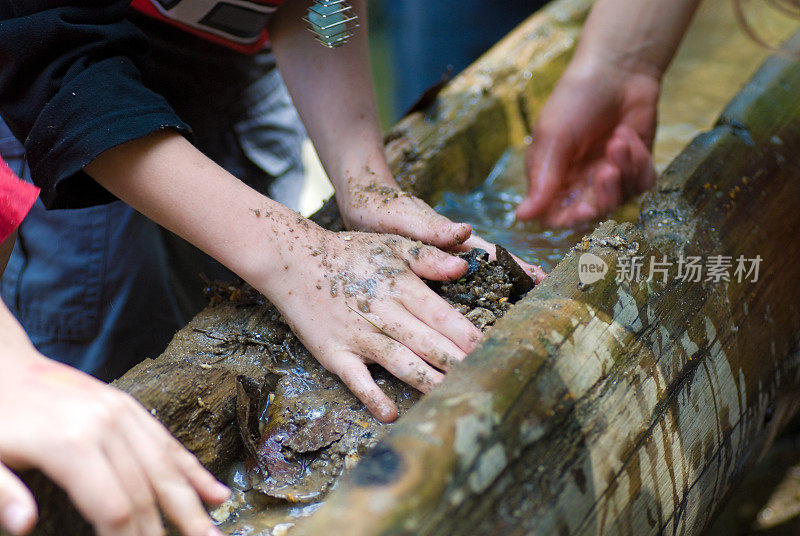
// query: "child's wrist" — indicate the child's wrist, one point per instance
point(274, 265)
point(599, 62)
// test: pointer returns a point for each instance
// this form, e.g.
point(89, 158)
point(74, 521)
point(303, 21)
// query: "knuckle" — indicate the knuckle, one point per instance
point(118, 516)
point(77, 439)
point(441, 316)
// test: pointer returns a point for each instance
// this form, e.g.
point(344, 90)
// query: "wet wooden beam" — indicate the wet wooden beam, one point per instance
point(628, 407)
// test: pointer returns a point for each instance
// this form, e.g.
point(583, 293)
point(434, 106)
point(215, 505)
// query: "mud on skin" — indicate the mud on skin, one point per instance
point(301, 427)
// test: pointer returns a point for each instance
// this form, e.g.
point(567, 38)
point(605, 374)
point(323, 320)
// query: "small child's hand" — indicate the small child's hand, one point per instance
point(357, 298)
point(120, 467)
point(383, 208)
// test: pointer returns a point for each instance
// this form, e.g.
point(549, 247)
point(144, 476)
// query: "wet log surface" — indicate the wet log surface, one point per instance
point(626, 407)
point(240, 390)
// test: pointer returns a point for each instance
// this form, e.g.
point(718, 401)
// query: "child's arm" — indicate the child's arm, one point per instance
point(352, 298)
point(593, 138)
point(115, 461)
point(332, 91)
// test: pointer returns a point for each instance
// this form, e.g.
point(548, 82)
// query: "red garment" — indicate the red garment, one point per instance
point(236, 24)
point(16, 199)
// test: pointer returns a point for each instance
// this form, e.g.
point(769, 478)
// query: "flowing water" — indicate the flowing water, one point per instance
point(713, 63)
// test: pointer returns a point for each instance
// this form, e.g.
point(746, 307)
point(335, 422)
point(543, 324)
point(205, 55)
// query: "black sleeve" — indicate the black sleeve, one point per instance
point(71, 88)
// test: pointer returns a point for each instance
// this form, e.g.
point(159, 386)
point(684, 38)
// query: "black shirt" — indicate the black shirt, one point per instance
point(71, 88)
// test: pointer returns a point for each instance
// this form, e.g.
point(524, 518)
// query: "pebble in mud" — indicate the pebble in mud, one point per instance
point(487, 291)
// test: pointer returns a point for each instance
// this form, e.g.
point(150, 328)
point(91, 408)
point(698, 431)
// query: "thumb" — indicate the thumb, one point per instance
point(546, 166)
point(434, 264)
point(429, 228)
point(17, 506)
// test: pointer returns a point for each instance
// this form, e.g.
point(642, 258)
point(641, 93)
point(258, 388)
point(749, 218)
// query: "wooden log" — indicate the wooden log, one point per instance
point(627, 407)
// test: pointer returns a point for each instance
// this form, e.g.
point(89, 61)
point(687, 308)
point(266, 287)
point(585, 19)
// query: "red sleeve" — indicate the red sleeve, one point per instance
point(16, 199)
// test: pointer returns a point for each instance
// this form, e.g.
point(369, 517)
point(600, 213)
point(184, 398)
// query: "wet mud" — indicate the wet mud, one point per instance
point(300, 426)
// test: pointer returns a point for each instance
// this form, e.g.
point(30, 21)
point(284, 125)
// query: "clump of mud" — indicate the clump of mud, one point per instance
point(489, 288)
point(300, 426)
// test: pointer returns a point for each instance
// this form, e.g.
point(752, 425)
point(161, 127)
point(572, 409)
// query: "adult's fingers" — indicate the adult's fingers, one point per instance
point(634, 160)
point(17, 506)
point(579, 206)
point(440, 316)
point(547, 162)
point(607, 188)
point(158, 454)
point(355, 375)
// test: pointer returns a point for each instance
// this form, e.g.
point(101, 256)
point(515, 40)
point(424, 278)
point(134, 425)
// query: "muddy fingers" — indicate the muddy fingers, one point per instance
point(432, 263)
point(427, 343)
point(384, 208)
point(355, 375)
point(362, 295)
point(439, 316)
point(401, 362)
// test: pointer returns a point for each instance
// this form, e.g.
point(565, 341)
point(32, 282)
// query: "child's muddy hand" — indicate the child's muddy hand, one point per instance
point(384, 208)
point(356, 299)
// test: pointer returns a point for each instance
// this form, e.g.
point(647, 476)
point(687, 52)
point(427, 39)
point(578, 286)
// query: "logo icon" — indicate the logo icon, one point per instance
point(591, 268)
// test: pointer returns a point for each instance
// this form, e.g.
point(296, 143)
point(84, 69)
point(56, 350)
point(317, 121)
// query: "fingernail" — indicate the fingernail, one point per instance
point(221, 490)
point(17, 517)
point(214, 531)
point(454, 263)
point(388, 415)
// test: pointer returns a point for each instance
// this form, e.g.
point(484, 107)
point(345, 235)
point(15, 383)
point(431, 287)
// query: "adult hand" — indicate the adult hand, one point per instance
point(357, 298)
point(591, 145)
point(115, 461)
